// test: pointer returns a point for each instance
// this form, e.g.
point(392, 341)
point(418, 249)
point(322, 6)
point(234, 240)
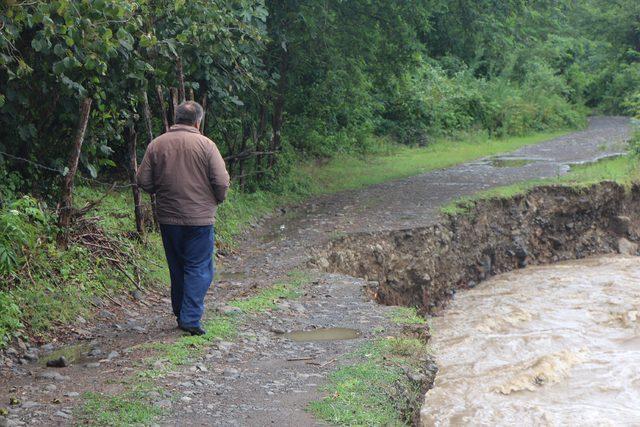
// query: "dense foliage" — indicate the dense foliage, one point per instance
point(281, 80)
point(284, 79)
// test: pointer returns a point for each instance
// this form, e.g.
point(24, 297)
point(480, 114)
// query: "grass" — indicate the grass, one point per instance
point(351, 172)
point(406, 316)
point(132, 407)
point(624, 170)
point(375, 390)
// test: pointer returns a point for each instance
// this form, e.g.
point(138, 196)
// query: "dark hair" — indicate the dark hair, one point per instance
point(189, 113)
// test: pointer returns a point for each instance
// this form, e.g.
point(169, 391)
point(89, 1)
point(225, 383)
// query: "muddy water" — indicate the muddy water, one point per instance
point(554, 345)
point(324, 334)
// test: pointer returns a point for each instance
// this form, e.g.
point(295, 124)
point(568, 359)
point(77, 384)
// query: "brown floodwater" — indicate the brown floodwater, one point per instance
point(555, 345)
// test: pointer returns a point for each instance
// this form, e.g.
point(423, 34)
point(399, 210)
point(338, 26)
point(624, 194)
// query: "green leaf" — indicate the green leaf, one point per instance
point(92, 171)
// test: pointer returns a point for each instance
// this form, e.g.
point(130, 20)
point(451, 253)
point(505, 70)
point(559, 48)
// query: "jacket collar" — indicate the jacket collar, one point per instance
point(186, 128)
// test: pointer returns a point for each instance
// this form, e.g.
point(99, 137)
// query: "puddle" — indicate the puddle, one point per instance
point(506, 162)
point(324, 334)
point(74, 354)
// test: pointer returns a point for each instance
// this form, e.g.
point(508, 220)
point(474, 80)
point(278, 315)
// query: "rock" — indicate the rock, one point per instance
point(51, 387)
point(47, 347)
point(215, 354)
point(186, 399)
point(50, 375)
point(81, 319)
point(231, 373)
point(113, 355)
point(417, 377)
point(229, 310)
point(60, 362)
point(21, 345)
point(29, 405)
point(137, 295)
point(200, 367)
point(323, 263)
point(225, 346)
point(95, 352)
point(62, 415)
point(621, 225)
point(298, 307)
point(92, 365)
point(139, 329)
point(72, 394)
point(105, 314)
point(166, 403)
point(625, 247)
point(283, 306)
point(12, 351)
point(278, 330)
point(31, 357)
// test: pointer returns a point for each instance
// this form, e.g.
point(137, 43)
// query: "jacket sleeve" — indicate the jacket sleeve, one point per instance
point(218, 175)
point(144, 177)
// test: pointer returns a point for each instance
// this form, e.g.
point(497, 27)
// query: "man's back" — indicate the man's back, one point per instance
point(186, 172)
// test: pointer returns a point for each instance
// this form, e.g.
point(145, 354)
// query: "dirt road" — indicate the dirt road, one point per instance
point(252, 381)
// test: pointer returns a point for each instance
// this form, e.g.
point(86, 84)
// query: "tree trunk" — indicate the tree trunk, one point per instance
point(204, 108)
point(149, 128)
point(132, 139)
point(192, 95)
point(66, 203)
point(180, 72)
point(173, 92)
point(278, 110)
point(163, 110)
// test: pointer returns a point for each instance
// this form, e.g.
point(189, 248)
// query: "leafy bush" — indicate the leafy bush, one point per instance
point(22, 223)
point(9, 318)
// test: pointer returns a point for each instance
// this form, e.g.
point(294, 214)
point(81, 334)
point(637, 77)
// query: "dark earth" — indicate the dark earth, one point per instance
point(253, 381)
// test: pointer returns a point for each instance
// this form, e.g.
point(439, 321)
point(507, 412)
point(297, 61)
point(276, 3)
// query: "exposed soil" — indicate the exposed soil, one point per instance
point(426, 266)
point(250, 381)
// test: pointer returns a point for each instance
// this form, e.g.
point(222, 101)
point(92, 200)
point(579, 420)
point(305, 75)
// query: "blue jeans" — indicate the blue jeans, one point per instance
point(189, 251)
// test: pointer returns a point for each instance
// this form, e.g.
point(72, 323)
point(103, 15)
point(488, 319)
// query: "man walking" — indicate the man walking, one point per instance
point(186, 172)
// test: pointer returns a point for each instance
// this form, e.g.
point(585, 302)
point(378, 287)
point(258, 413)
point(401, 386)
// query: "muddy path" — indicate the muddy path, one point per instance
point(252, 381)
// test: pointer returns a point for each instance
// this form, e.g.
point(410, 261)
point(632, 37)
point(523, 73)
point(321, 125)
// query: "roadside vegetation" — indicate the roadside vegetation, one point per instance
point(381, 383)
point(624, 170)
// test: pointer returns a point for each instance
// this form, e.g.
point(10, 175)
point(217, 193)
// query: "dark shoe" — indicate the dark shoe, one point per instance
point(193, 330)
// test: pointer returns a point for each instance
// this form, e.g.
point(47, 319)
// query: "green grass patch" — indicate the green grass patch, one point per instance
point(267, 298)
point(351, 172)
point(128, 408)
point(375, 390)
point(406, 316)
point(623, 170)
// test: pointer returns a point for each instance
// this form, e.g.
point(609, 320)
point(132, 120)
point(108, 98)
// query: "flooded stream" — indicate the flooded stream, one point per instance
point(554, 345)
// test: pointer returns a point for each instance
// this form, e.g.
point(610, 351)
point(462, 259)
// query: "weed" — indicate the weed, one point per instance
point(406, 316)
point(128, 408)
point(376, 391)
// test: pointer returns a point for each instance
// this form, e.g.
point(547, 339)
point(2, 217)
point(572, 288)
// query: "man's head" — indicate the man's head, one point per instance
point(189, 113)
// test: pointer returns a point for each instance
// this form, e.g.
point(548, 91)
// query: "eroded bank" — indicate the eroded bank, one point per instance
point(424, 267)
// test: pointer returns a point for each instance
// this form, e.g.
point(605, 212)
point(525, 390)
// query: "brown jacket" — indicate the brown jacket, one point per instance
point(186, 172)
